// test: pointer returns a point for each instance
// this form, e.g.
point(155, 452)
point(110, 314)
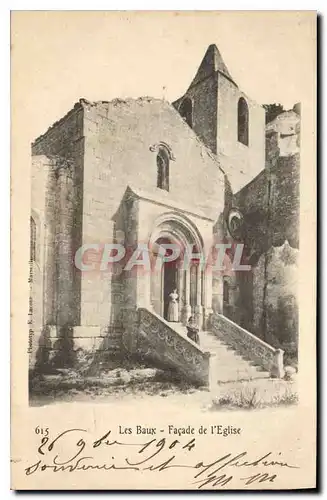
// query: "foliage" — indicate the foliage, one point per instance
point(248, 398)
point(272, 111)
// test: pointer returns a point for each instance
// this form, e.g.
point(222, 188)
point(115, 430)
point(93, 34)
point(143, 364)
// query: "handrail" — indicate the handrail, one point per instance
point(161, 341)
point(248, 345)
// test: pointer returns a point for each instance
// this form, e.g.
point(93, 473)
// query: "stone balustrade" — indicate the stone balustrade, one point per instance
point(248, 345)
point(162, 343)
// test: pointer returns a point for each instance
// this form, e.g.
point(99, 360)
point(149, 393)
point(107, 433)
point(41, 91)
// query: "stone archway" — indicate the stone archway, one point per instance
point(190, 282)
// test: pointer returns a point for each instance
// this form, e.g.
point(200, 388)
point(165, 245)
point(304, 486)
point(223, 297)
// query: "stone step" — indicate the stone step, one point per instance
point(226, 365)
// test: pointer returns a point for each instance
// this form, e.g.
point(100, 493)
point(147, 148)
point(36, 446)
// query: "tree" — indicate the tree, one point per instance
point(273, 110)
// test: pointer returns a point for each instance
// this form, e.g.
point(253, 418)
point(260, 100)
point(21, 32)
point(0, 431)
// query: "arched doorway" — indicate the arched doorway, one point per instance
point(175, 234)
point(165, 276)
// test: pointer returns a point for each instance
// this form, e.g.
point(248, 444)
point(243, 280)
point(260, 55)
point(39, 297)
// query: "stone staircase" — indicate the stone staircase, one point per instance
point(225, 364)
point(167, 345)
point(226, 353)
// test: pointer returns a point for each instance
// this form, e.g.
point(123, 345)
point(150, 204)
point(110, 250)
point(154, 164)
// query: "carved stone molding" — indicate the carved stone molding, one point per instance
point(156, 147)
point(181, 352)
point(235, 223)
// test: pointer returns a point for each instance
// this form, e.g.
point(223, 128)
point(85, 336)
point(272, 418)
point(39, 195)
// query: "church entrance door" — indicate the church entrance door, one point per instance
point(177, 274)
point(170, 280)
point(164, 280)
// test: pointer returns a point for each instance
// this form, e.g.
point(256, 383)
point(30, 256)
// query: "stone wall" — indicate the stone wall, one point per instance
point(40, 172)
point(204, 99)
point(270, 205)
point(119, 140)
point(62, 151)
point(254, 203)
point(275, 279)
point(285, 208)
point(283, 134)
point(63, 145)
point(240, 162)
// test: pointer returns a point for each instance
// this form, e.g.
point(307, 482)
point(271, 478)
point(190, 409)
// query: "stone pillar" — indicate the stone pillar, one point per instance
point(207, 296)
point(130, 329)
point(186, 307)
point(49, 263)
point(181, 276)
point(137, 282)
point(143, 288)
point(198, 305)
point(277, 369)
point(64, 255)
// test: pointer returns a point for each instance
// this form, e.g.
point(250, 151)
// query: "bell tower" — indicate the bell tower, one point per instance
point(198, 106)
point(225, 119)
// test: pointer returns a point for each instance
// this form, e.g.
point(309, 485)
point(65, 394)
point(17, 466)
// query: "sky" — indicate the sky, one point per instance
point(60, 56)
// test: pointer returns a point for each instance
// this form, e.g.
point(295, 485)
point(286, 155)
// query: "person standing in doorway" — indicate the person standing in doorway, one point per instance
point(172, 314)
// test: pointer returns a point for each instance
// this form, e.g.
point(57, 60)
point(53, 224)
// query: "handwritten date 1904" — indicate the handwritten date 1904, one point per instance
point(73, 450)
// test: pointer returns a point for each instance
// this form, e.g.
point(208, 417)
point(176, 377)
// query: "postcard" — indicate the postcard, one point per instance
point(163, 240)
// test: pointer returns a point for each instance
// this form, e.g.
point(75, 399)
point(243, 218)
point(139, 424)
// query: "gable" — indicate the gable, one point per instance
point(120, 145)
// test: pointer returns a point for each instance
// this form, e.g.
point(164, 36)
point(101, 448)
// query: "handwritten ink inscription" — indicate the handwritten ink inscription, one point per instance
point(74, 450)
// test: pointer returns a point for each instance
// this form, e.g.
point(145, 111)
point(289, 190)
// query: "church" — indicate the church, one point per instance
point(202, 171)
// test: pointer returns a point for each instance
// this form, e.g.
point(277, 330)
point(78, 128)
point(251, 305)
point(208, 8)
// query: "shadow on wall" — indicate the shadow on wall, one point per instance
point(54, 351)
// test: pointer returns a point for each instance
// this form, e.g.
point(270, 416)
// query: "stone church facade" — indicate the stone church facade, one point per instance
point(204, 170)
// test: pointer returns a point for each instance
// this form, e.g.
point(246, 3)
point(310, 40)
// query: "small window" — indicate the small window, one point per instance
point(186, 111)
point(243, 122)
point(32, 240)
point(163, 170)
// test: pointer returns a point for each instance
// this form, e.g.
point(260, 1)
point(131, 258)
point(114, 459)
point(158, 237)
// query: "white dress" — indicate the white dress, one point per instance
point(173, 307)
